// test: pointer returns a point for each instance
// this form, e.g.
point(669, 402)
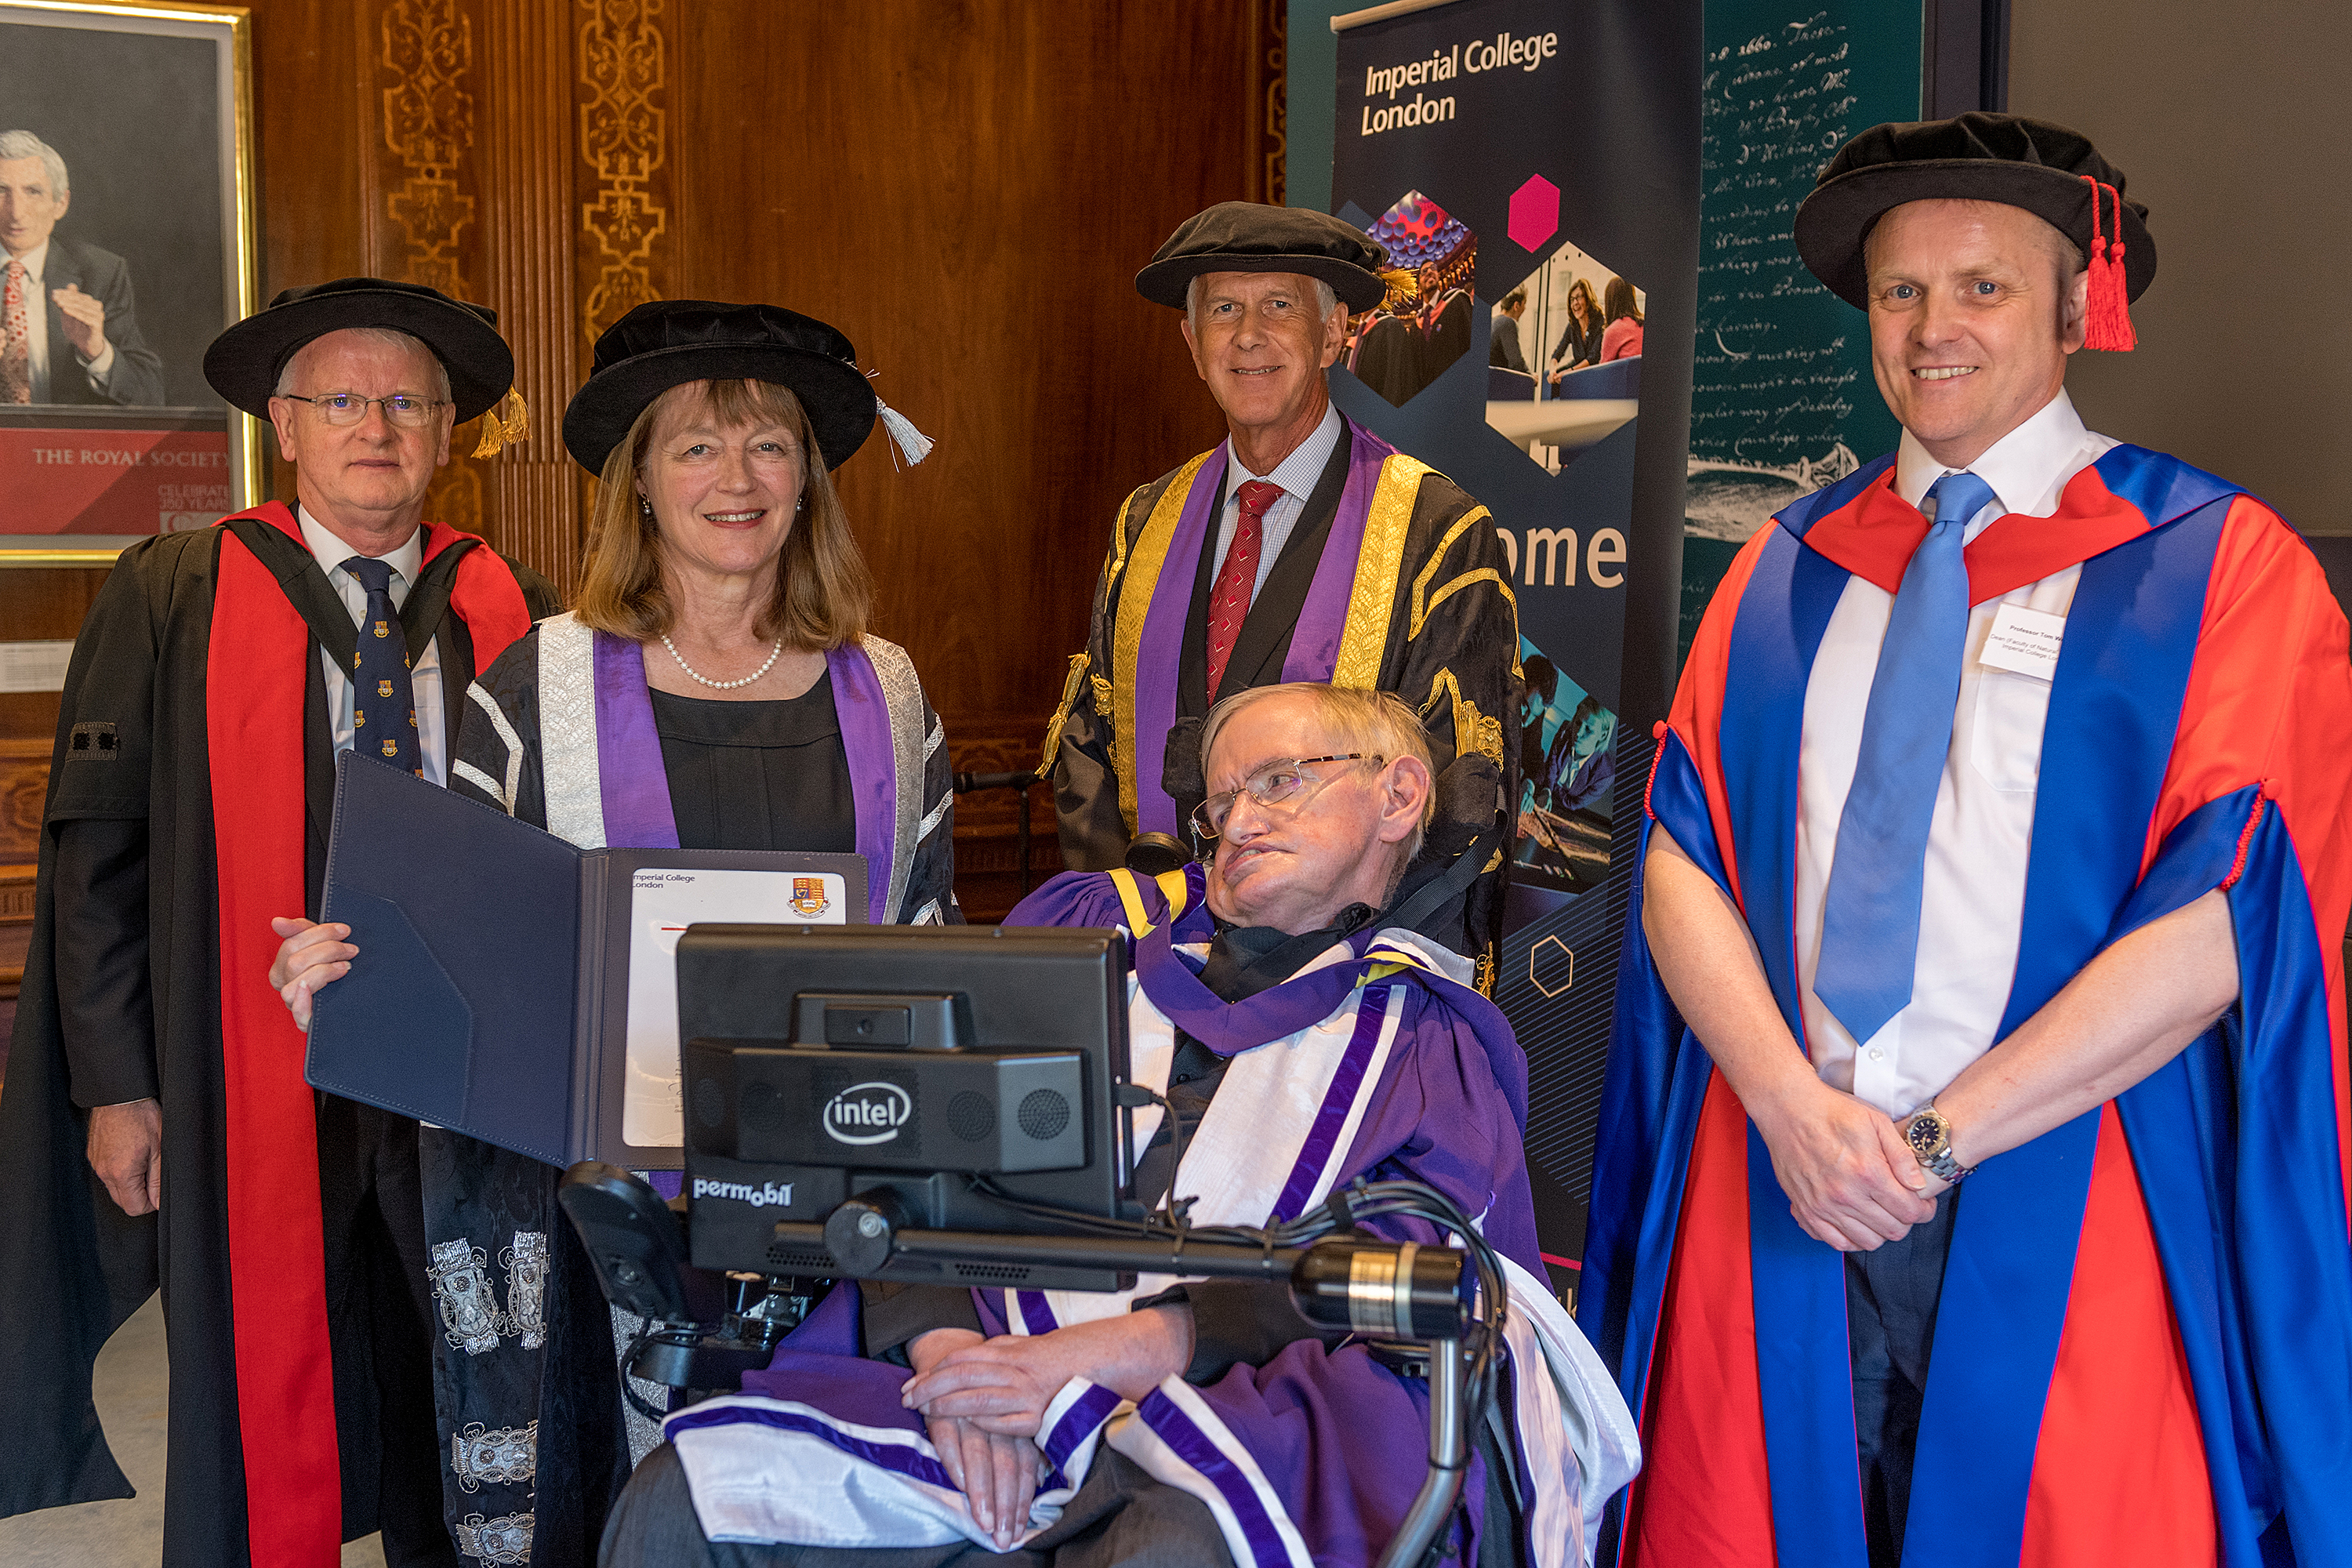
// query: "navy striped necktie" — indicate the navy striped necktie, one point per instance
point(383, 698)
point(1870, 917)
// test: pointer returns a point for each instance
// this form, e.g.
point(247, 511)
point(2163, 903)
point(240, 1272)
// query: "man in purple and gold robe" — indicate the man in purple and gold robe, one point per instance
point(1302, 548)
point(1304, 1042)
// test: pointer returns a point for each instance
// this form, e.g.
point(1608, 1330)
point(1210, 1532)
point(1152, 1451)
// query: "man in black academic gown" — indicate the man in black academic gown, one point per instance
point(1304, 548)
point(215, 680)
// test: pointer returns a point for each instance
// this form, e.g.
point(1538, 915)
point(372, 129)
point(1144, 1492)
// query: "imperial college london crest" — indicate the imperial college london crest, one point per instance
point(808, 897)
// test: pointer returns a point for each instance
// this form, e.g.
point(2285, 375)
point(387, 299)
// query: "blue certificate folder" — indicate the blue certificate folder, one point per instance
point(490, 995)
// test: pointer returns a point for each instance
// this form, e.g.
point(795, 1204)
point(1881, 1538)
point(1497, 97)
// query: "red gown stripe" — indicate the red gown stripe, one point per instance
point(1703, 1499)
point(486, 599)
point(285, 1369)
point(2119, 1472)
point(254, 730)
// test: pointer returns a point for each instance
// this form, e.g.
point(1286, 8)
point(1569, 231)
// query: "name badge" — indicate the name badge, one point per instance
point(2025, 641)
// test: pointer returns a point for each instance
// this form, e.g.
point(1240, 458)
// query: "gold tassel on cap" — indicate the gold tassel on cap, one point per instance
point(1404, 288)
point(503, 425)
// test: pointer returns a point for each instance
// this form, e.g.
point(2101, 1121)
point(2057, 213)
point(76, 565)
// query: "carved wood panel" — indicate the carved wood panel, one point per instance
point(426, 70)
point(527, 162)
point(24, 786)
point(624, 217)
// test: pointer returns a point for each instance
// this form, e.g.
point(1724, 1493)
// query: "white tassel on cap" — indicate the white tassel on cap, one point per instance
point(911, 441)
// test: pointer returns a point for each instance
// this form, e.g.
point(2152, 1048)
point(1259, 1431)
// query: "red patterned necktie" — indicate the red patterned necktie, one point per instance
point(16, 340)
point(1229, 601)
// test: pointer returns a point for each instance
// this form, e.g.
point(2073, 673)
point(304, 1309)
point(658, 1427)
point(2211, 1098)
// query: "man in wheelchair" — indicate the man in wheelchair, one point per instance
point(1300, 1042)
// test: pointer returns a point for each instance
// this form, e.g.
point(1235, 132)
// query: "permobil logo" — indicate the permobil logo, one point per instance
point(867, 1113)
point(760, 1197)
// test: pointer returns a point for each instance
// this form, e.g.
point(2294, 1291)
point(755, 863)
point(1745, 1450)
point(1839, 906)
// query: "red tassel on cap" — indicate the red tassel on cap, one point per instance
point(2107, 313)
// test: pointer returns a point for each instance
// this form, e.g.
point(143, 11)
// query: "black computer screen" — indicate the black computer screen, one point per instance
point(823, 1062)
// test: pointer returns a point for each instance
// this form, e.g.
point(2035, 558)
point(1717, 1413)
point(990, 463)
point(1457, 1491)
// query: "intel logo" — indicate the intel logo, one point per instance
point(867, 1113)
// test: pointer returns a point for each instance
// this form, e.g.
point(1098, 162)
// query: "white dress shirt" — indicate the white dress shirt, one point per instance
point(1973, 904)
point(36, 263)
point(1297, 474)
point(424, 664)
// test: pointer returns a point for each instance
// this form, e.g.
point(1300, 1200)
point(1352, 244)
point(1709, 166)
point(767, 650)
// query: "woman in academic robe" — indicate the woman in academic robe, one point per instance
point(714, 687)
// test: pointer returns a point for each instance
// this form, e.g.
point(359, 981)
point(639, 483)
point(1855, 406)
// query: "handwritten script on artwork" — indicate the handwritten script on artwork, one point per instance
point(1782, 364)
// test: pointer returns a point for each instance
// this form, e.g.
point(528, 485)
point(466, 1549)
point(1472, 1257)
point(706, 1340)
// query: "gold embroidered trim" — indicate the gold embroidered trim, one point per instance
point(1473, 731)
point(1423, 603)
point(1119, 534)
point(1062, 714)
point(1372, 604)
point(1102, 696)
point(1135, 591)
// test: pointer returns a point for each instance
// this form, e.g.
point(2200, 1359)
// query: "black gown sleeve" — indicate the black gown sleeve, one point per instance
point(893, 1316)
point(97, 810)
point(103, 1003)
point(1078, 744)
point(540, 597)
point(496, 760)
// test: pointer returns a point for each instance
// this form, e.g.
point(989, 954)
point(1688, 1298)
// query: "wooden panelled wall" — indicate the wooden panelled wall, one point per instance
point(965, 189)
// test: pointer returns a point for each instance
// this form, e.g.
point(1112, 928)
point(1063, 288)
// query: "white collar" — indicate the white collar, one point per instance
point(1297, 473)
point(331, 552)
point(36, 262)
point(2023, 468)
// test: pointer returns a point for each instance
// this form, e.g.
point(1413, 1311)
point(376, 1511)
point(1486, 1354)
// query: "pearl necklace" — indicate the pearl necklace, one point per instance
point(774, 654)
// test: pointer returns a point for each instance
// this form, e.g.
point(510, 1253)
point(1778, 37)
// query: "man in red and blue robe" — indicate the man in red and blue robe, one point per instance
point(2102, 925)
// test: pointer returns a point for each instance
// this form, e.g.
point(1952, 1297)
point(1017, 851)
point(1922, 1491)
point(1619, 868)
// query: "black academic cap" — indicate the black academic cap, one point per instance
point(243, 363)
point(1250, 237)
point(668, 342)
point(2050, 170)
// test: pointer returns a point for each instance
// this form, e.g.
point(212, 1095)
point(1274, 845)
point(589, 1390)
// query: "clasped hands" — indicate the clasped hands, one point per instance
point(983, 1400)
point(1851, 1180)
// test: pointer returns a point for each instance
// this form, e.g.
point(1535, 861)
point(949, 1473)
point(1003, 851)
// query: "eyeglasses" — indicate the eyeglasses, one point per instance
point(350, 407)
point(1280, 786)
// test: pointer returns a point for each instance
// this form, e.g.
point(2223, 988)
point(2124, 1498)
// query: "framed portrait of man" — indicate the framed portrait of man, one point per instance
point(126, 245)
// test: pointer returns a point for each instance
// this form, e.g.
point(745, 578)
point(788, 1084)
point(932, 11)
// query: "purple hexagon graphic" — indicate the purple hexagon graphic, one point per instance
point(1535, 213)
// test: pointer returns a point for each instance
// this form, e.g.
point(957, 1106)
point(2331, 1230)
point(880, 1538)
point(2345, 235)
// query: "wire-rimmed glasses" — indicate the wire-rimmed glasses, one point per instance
point(349, 408)
point(1282, 785)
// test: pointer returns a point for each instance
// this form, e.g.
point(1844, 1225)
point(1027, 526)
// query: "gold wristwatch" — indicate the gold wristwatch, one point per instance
point(1929, 1133)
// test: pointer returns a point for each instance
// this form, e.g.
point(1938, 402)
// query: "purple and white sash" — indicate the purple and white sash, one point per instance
point(1279, 1131)
point(600, 759)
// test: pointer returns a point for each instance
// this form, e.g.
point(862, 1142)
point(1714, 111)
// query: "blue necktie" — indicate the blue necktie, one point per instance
point(1870, 919)
point(383, 699)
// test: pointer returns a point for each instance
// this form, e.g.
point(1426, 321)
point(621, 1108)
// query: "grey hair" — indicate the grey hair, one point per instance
point(1326, 300)
point(1379, 722)
point(390, 337)
point(25, 144)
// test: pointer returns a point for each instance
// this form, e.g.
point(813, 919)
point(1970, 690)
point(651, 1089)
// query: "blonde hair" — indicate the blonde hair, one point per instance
point(1381, 723)
point(823, 592)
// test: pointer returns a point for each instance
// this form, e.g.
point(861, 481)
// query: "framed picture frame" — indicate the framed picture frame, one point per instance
point(127, 243)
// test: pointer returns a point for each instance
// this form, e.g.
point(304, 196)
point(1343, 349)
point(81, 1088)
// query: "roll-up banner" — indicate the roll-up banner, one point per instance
point(1535, 163)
